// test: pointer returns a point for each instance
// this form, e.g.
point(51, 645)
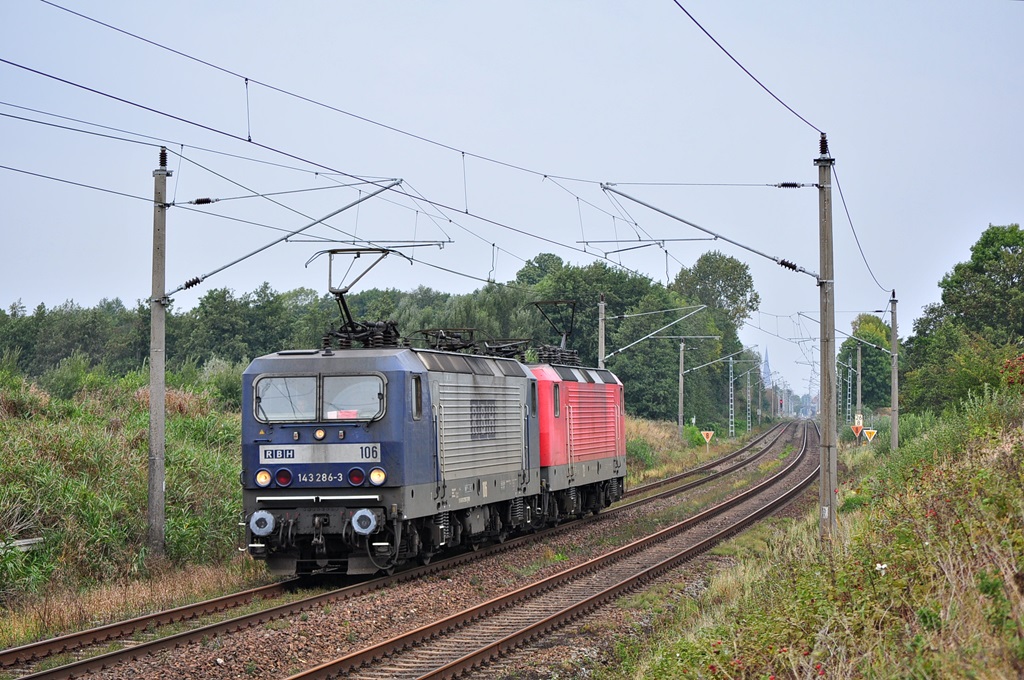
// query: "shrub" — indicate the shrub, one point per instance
point(639, 453)
point(224, 379)
point(18, 397)
point(71, 375)
point(692, 436)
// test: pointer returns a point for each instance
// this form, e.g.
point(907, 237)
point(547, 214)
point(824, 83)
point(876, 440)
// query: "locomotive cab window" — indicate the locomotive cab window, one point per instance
point(353, 397)
point(417, 397)
point(285, 398)
point(555, 400)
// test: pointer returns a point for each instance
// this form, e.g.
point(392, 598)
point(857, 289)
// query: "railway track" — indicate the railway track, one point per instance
point(29, 654)
point(476, 636)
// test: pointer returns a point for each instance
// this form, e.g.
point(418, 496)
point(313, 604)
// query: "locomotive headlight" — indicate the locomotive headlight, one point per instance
point(319, 434)
point(263, 478)
point(378, 476)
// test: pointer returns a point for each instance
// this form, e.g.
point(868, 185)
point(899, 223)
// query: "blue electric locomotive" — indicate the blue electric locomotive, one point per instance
point(369, 453)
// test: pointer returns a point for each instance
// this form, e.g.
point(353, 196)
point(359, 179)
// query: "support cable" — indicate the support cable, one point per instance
point(785, 263)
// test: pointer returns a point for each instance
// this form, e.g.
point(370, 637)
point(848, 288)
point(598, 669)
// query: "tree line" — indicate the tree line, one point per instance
point(958, 345)
point(231, 329)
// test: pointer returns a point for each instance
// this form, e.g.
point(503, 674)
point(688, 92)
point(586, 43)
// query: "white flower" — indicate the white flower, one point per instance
point(879, 567)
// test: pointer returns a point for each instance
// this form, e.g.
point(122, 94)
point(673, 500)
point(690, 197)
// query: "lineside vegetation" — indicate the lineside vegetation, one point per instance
point(924, 579)
point(74, 474)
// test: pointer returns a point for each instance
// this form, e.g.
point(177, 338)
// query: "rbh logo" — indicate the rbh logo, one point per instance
point(278, 454)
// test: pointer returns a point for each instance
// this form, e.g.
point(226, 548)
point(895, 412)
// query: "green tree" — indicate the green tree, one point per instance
point(876, 364)
point(420, 309)
point(585, 286)
point(959, 345)
point(648, 368)
point(18, 332)
point(720, 282)
point(948, 363)
point(127, 344)
point(986, 293)
point(535, 269)
point(217, 326)
point(311, 316)
point(267, 321)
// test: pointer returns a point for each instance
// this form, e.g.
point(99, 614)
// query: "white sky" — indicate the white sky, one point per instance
point(921, 101)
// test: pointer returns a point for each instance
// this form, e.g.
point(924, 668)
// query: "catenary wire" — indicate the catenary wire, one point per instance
point(744, 68)
point(104, 135)
point(487, 220)
point(162, 141)
point(202, 126)
point(254, 193)
point(427, 140)
point(284, 153)
point(267, 194)
point(324, 239)
point(854, 230)
point(315, 102)
point(77, 184)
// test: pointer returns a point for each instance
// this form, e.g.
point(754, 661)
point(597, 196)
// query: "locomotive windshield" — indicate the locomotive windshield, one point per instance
point(294, 398)
point(353, 397)
point(286, 398)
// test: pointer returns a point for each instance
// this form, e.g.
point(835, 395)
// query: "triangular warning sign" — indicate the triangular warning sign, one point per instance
point(870, 434)
point(856, 430)
point(708, 434)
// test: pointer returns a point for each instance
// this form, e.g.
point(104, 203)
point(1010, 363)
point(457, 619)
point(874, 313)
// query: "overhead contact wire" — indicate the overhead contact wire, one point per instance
point(744, 68)
point(180, 119)
point(315, 102)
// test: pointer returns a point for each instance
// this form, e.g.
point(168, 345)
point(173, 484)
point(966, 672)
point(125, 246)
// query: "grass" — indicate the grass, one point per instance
point(60, 610)
point(923, 578)
point(547, 558)
point(75, 474)
point(655, 451)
